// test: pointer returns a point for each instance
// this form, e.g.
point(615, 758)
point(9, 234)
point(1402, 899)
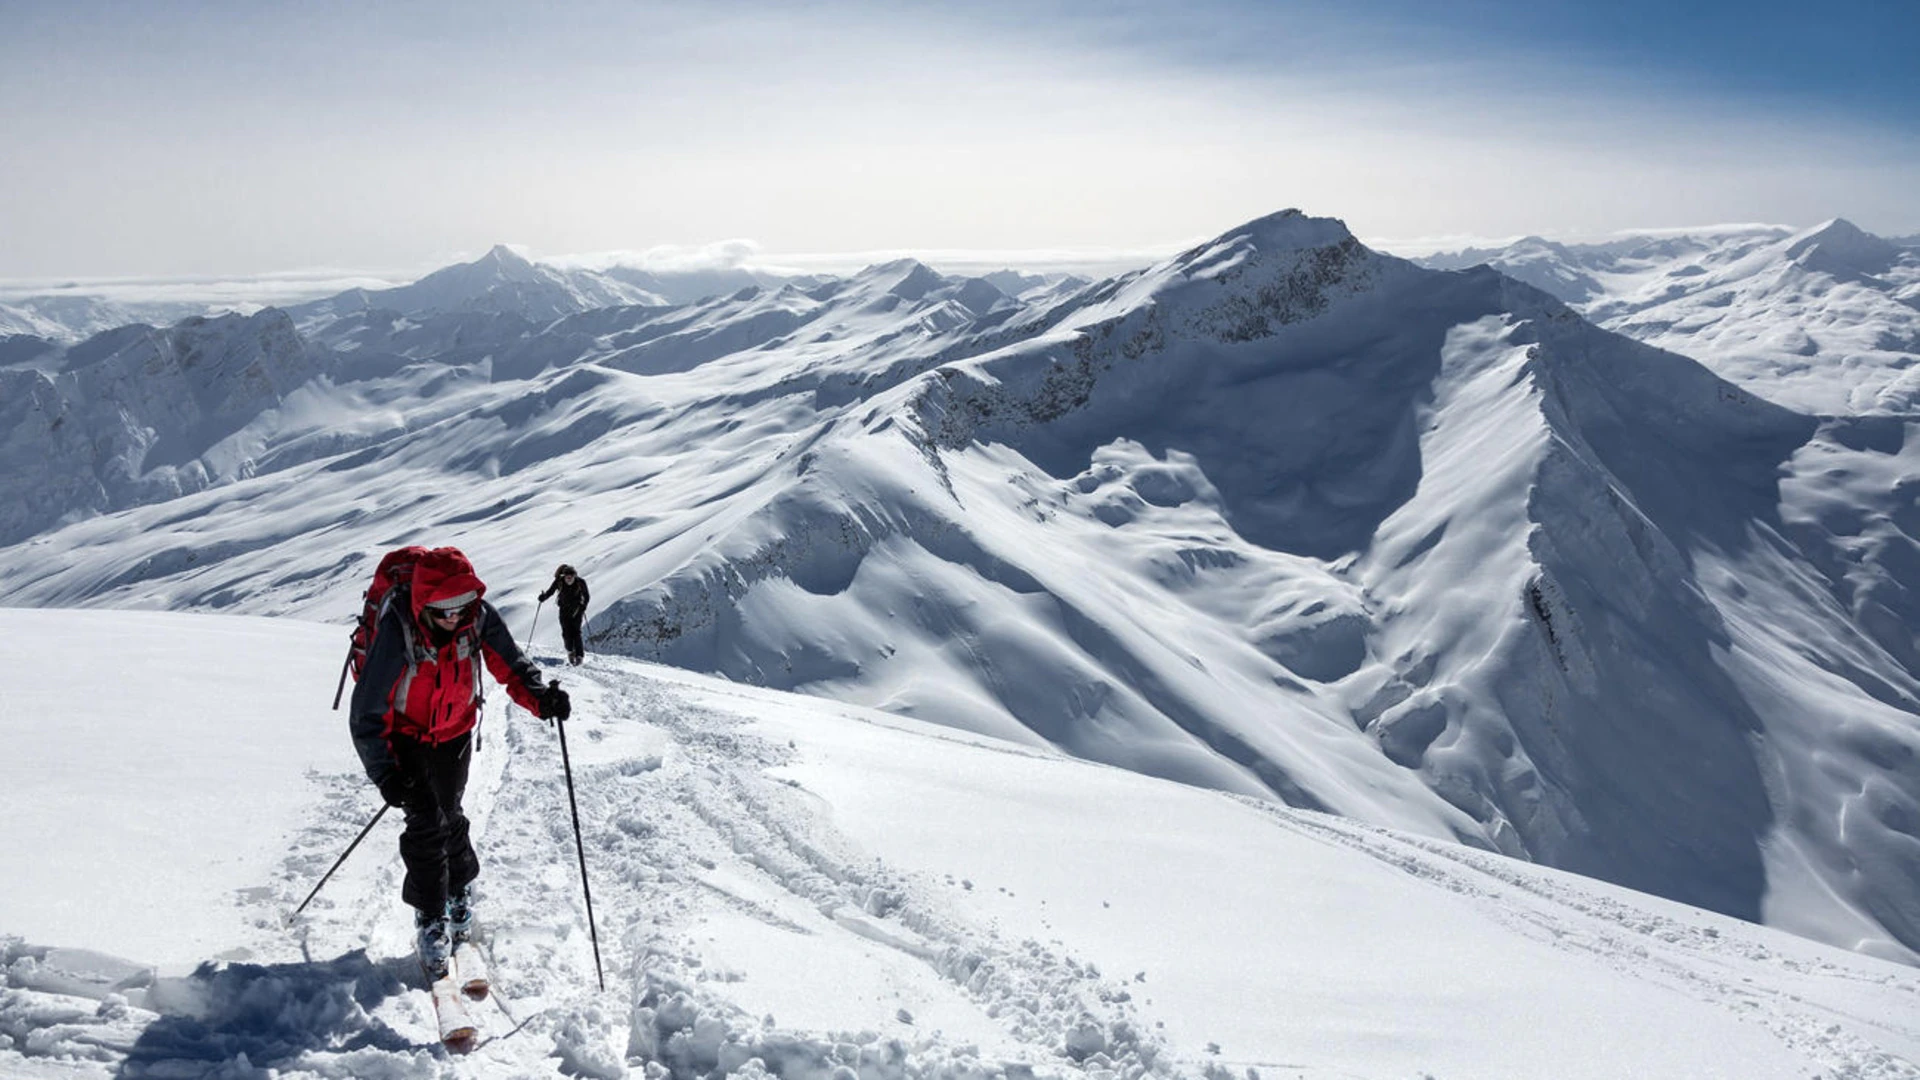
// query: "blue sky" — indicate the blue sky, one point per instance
point(1840, 55)
point(196, 138)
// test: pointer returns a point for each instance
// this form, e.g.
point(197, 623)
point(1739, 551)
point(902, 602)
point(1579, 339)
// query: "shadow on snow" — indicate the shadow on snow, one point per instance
point(266, 1016)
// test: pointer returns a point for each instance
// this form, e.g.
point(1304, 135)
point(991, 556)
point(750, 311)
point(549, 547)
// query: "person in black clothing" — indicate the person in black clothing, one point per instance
point(414, 714)
point(573, 608)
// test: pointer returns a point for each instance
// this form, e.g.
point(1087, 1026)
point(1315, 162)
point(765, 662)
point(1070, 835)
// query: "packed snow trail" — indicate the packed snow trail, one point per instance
point(688, 841)
point(792, 887)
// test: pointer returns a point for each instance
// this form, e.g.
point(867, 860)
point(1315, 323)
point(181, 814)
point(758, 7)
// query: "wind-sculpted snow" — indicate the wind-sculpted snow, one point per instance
point(1281, 516)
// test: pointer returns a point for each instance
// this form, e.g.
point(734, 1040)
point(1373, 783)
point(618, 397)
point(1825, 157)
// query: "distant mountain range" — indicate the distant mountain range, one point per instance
point(501, 281)
point(1826, 319)
point(1629, 594)
point(74, 317)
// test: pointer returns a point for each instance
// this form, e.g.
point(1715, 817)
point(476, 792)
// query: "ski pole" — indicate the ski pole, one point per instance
point(572, 805)
point(536, 625)
point(345, 666)
point(336, 863)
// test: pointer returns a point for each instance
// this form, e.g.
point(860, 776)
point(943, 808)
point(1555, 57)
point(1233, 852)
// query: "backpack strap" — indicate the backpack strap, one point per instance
point(466, 647)
point(410, 644)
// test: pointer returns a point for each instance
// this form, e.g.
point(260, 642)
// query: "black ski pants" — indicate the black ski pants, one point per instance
point(570, 631)
point(436, 847)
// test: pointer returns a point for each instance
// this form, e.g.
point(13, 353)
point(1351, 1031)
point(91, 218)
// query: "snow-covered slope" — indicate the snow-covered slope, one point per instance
point(139, 415)
point(69, 318)
point(1286, 517)
point(501, 281)
point(1281, 516)
point(1826, 320)
point(788, 887)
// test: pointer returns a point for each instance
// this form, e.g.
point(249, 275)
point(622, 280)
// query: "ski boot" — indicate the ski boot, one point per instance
point(435, 945)
point(460, 916)
point(469, 967)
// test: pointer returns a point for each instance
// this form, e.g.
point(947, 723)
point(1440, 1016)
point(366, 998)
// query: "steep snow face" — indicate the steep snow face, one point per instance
point(139, 415)
point(1249, 496)
point(1819, 617)
point(1280, 516)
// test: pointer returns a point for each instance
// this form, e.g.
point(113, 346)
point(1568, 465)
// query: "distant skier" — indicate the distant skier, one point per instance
point(414, 711)
point(573, 608)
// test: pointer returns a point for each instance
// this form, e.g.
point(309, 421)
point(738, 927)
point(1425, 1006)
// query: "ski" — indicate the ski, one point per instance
point(470, 971)
point(458, 1031)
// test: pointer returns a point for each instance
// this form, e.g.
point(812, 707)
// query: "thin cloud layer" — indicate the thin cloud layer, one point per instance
point(369, 137)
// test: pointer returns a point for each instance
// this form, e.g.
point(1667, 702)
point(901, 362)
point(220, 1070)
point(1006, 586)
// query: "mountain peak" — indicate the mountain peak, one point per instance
point(1290, 230)
point(1842, 248)
point(500, 265)
point(906, 278)
point(1273, 270)
point(1839, 228)
point(904, 265)
point(504, 258)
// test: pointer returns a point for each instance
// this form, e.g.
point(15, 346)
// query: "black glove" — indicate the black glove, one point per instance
point(395, 788)
point(554, 704)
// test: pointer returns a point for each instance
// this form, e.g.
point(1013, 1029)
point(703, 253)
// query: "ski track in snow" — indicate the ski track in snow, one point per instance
point(686, 828)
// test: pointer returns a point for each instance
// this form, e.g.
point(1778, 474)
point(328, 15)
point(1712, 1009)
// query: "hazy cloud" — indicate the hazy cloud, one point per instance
point(223, 138)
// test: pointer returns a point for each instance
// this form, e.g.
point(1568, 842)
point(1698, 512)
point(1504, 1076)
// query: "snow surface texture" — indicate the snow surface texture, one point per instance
point(1282, 517)
point(789, 887)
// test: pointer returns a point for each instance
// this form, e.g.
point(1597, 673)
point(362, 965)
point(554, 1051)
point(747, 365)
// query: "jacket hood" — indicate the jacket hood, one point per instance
point(442, 574)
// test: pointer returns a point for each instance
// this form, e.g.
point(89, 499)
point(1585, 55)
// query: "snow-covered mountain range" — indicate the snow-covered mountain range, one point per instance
point(1825, 320)
point(1280, 515)
point(502, 280)
point(71, 318)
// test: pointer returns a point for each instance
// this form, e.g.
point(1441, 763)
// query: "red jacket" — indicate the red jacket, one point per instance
point(422, 682)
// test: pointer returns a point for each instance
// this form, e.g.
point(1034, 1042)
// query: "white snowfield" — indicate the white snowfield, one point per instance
point(787, 886)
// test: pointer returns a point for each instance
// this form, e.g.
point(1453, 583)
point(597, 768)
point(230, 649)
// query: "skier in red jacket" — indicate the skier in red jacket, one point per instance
point(414, 711)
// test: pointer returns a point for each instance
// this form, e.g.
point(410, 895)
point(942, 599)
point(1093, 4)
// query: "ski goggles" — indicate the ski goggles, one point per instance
point(452, 608)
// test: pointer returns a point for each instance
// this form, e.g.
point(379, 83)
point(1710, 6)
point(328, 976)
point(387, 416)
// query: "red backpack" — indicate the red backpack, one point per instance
point(396, 568)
